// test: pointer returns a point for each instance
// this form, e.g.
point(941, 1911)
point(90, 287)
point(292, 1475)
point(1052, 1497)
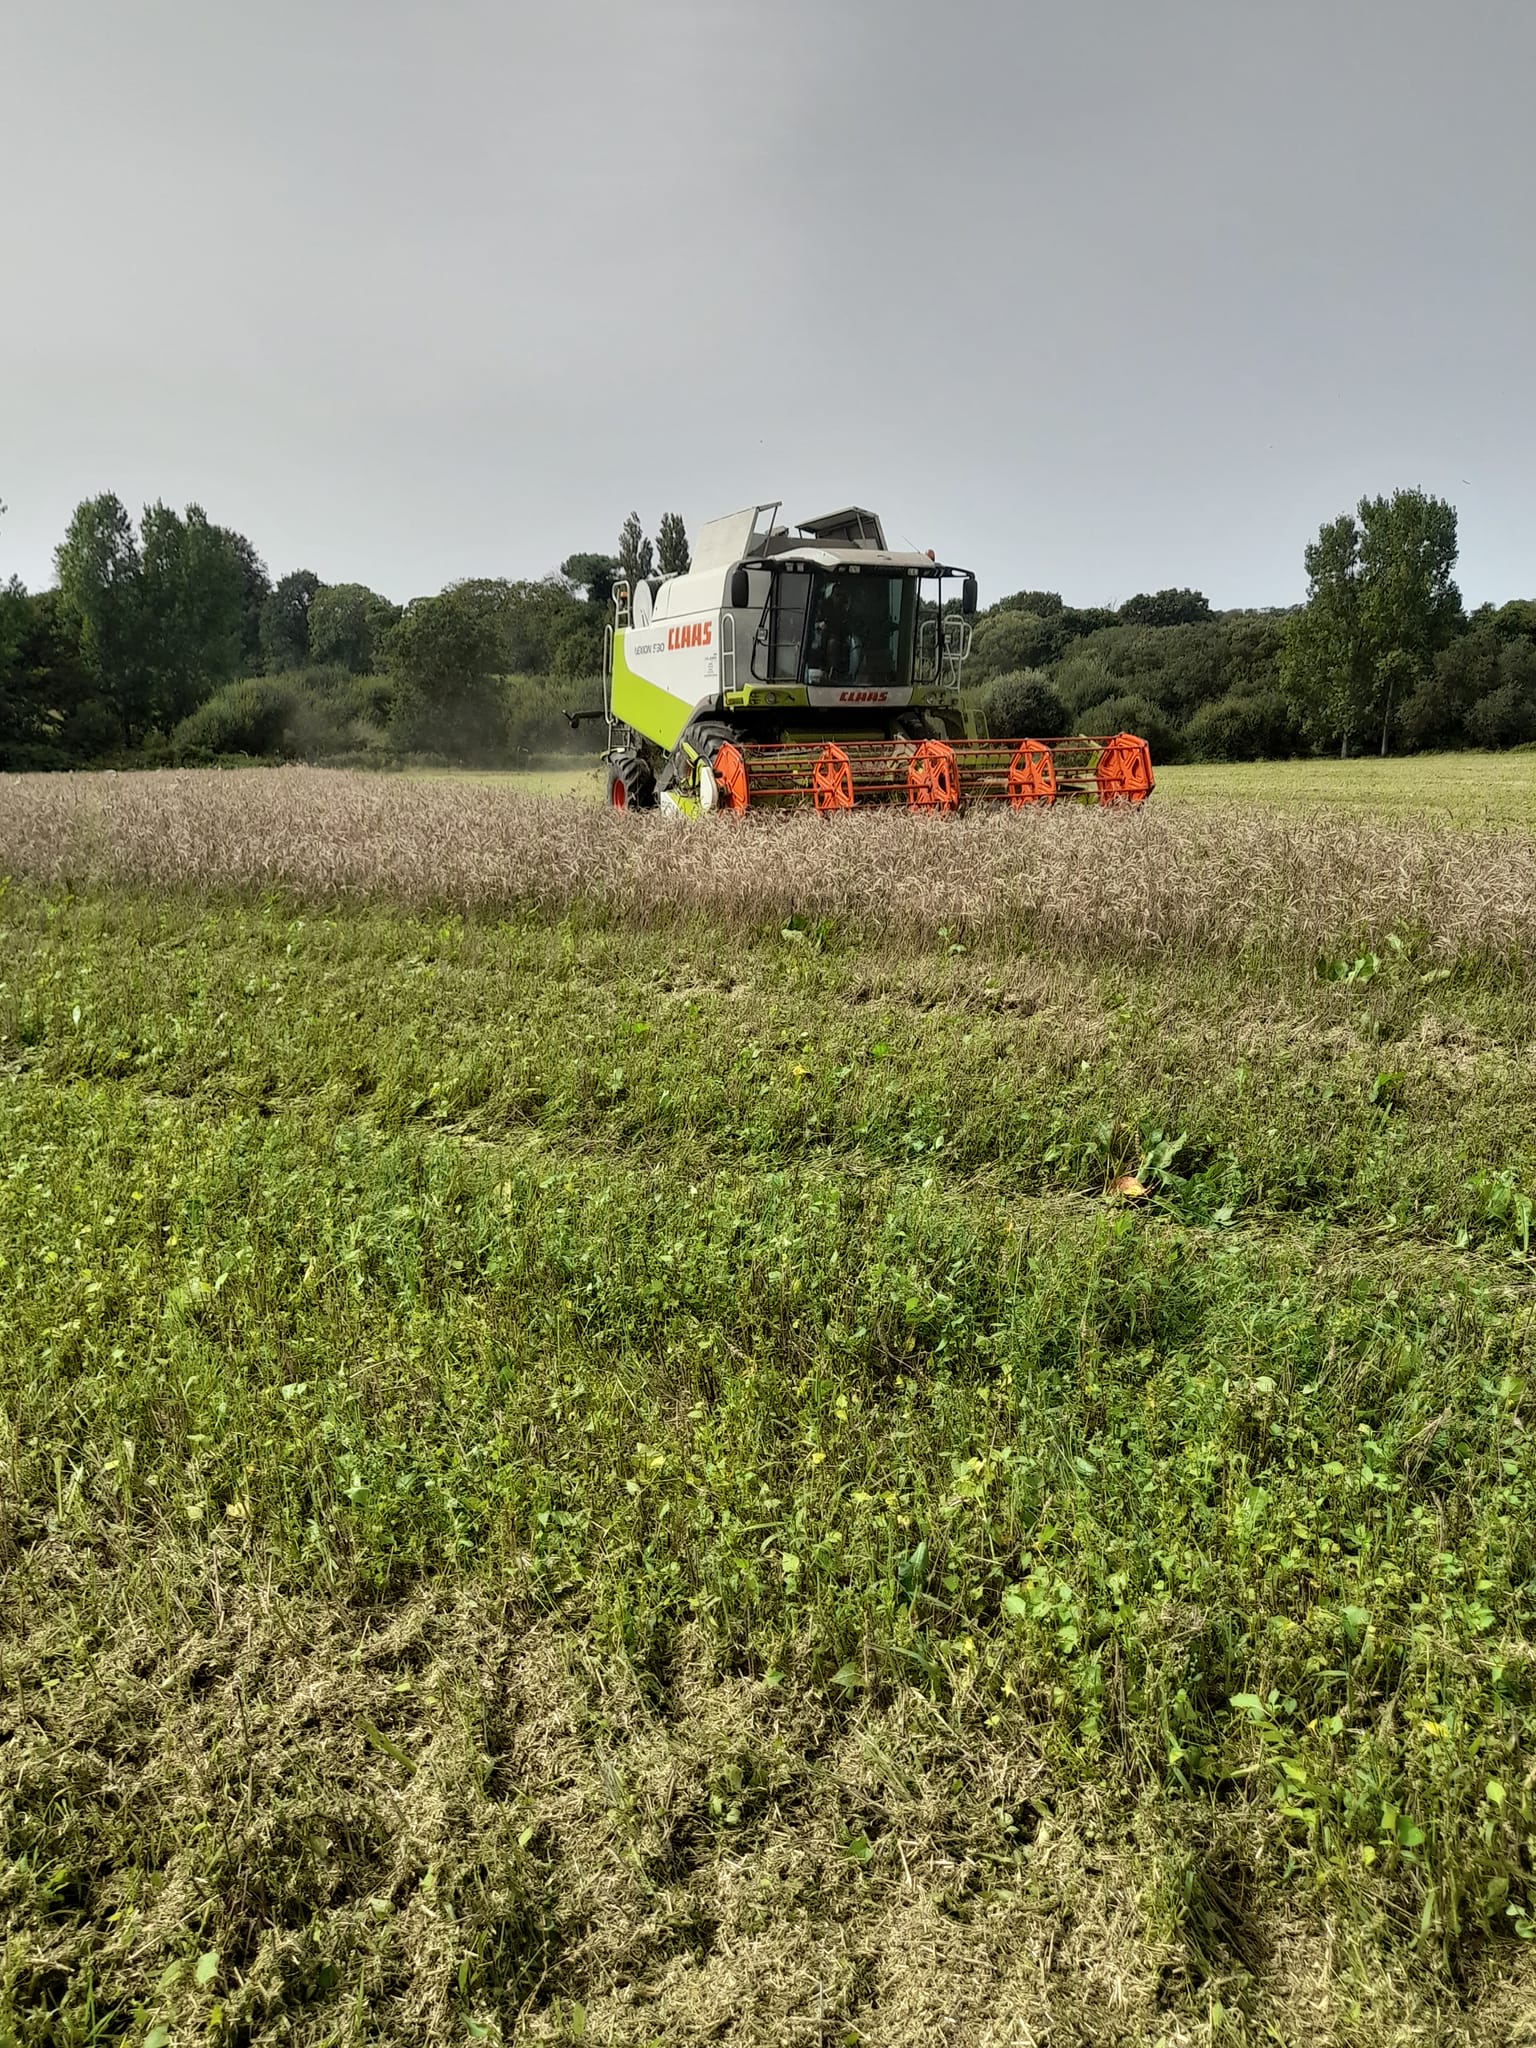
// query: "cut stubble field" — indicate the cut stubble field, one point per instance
point(1483, 790)
point(592, 1452)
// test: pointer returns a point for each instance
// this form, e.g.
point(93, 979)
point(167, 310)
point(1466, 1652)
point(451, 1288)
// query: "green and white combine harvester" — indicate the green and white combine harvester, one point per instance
point(817, 668)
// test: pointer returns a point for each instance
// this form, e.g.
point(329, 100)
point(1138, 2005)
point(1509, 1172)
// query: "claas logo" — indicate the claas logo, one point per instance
point(701, 635)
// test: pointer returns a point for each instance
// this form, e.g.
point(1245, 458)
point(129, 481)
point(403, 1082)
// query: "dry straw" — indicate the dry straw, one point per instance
point(1176, 881)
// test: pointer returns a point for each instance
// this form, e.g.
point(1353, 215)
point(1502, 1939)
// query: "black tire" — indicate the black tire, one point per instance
point(708, 735)
point(631, 785)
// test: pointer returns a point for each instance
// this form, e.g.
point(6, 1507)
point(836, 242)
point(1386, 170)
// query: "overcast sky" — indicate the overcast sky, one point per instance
point(1100, 295)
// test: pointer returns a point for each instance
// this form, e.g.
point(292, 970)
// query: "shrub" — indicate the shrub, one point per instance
point(336, 712)
point(323, 679)
point(1082, 677)
point(1006, 641)
point(320, 725)
point(1023, 705)
point(1132, 714)
point(308, 714)
point(372, 699)
point(250, 716)
point(535, 715)
point(1242, 726)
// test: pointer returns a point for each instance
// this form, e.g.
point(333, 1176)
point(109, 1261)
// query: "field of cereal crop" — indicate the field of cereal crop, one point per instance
point(911, 1432)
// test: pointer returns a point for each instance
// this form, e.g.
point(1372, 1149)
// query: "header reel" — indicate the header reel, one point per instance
point(737, 775)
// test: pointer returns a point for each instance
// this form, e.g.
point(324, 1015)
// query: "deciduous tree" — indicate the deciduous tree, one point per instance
point(100, 583)
point(1381, 603)
point(347, 624)
point(1326, 666)
point(593, 574)
point(446, 654)
point(1410, 602)
point(539, 619)
point(636, 557)
point(1506, 717)
point(49, 711)
point(1166, 608)
point(192, 609)
point(285, 621)
point(672, 556)
point(258, 588)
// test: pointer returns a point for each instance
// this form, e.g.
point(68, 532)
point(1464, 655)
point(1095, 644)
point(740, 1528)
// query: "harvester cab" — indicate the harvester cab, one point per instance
point(815, 667)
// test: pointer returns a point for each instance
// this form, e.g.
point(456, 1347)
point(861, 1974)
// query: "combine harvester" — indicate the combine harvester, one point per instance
point(818, 669)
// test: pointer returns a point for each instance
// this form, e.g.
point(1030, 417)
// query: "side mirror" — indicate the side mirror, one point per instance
point(968, 598)
point(741, 588)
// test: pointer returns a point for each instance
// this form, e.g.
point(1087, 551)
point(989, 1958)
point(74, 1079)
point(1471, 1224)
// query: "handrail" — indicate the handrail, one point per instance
point(727, 651)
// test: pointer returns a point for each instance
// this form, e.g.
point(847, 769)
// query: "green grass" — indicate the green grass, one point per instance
point(1460, 789)
point(560, 1483)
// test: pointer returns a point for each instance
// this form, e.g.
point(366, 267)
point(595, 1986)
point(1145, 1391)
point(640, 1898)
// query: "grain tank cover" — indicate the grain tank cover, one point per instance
point(851, 528)
point(738, 537)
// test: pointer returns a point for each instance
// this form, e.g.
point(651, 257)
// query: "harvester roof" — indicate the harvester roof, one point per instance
point(864, 558)
point(853, 537)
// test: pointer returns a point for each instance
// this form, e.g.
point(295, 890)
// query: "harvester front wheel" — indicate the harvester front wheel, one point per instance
point(718, 747)
point(631, 785)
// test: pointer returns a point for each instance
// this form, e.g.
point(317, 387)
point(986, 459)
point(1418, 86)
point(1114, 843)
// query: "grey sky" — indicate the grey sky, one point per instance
point(1101, 295)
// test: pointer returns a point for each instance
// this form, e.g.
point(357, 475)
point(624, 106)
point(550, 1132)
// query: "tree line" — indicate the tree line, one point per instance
point(169, 640)
point(1381, 656)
